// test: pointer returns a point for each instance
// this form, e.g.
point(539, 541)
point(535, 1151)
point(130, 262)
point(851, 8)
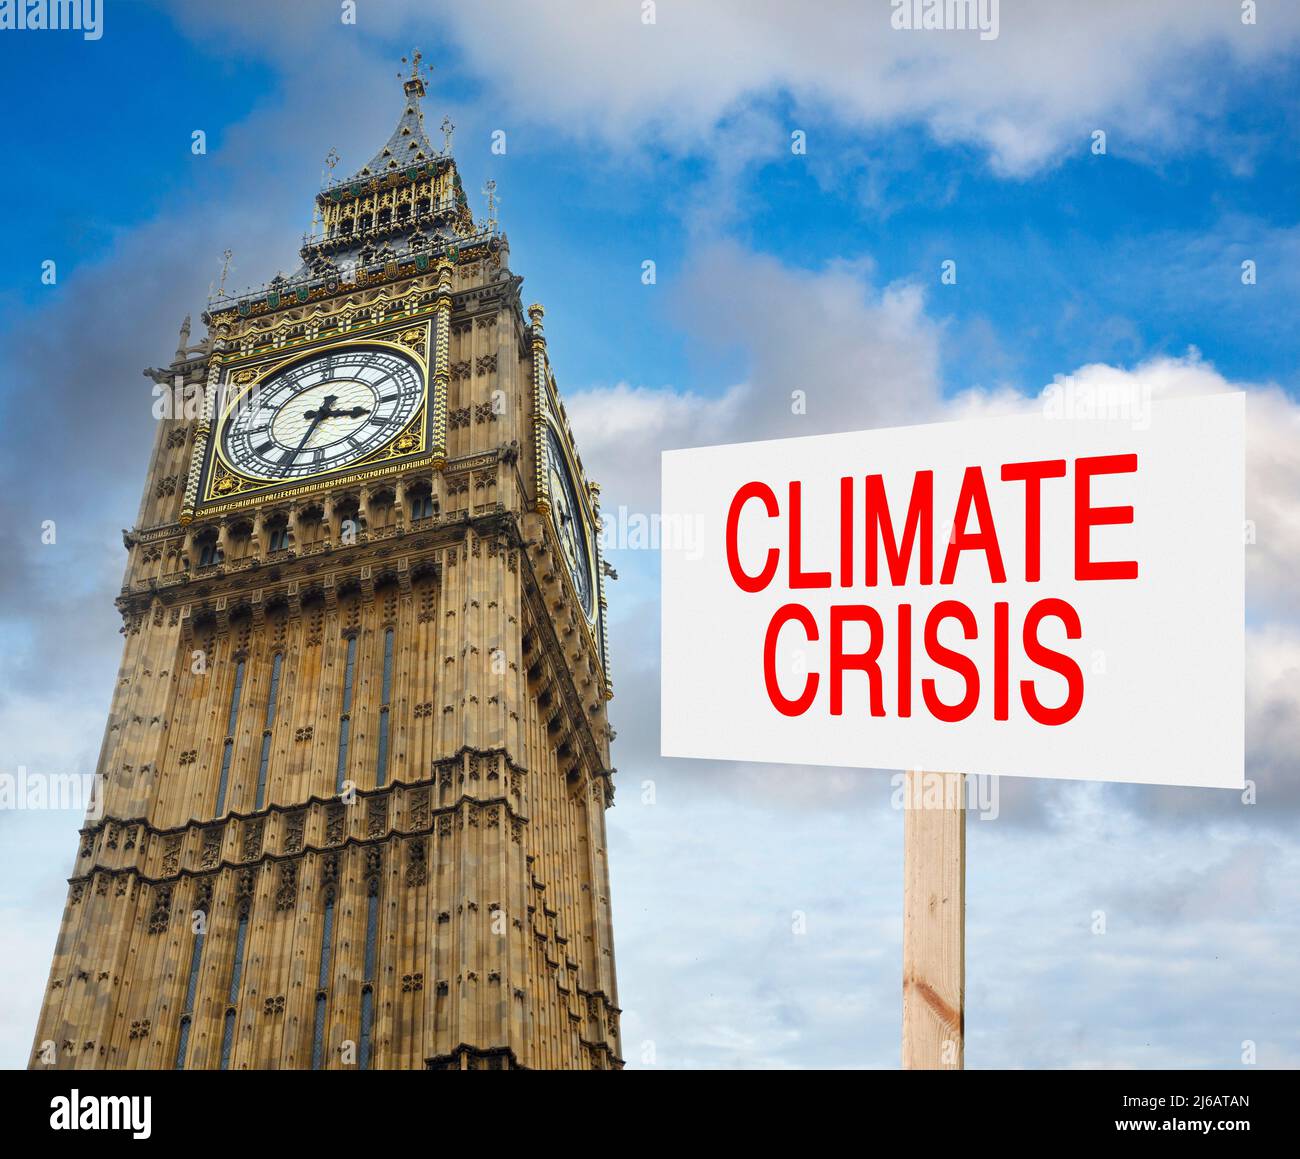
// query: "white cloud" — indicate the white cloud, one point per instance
point(1058, 70)
point(861, 357)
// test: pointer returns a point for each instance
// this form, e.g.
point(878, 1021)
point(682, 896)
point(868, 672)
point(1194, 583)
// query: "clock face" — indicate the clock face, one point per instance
point(567, 513)
point(322, 413)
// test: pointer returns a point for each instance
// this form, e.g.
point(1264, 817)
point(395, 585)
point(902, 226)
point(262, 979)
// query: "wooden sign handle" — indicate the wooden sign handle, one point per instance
point(934, 921)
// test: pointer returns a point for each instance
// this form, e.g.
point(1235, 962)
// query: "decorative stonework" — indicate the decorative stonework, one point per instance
point(286, 896)
point(294, 828)
point(160, 915)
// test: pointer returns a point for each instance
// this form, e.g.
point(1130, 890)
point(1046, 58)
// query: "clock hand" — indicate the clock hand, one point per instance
point(355, 413)
point(315, 416)
point(329, 401)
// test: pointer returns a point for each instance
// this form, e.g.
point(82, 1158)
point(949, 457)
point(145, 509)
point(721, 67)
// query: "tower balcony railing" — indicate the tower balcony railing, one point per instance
point(345, 273)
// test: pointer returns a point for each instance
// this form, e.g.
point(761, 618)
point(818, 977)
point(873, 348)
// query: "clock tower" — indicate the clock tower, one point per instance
point(356, 768)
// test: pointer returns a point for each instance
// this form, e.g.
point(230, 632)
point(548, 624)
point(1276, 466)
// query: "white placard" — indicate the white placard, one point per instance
point(1055, 662)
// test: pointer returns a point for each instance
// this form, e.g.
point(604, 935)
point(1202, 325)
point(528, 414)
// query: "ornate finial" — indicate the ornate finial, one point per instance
point(184, 341)
point(490, 189)
point(447, 128)
point(219, 291)
point(535, 313)
point(327, 174)
point(413, 86)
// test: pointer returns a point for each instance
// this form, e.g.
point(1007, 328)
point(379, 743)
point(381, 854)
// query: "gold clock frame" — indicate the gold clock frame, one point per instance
point(589, 517)
point(250, 489)
point(595, 622)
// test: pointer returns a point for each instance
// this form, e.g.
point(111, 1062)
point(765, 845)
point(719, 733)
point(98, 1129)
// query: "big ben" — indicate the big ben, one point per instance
point(357, 761)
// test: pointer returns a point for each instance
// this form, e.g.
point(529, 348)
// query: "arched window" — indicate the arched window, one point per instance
point(271, 694)
point(228, 749)
point(209, 553)
point(345, 721)
point(379, 513)
point(368, 976)
point(422, 505)
point(385, 696)
point(310, 525)
point(239, 539)
point(322, 985)
point(232, 997)
point(191, 988)
point(279, 537)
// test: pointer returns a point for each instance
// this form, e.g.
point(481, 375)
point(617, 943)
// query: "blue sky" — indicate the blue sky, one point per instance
point(775, 271)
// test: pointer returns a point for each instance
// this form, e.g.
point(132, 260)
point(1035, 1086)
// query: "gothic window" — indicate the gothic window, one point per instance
point(380, 512)
point(381, 771)
point(279, 539)
point(240, 540)
point(368, 976)
point(209, 553)
point(322, 985)
point(272, 692)
point(421, 505)
point(349, 516)
point(228, 749)
point(345, 723)
point(191, 988)
point(232, 998)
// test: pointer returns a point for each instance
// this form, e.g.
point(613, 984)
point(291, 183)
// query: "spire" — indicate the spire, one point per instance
point(409, 144)
point(407, 199)
point(182, 345)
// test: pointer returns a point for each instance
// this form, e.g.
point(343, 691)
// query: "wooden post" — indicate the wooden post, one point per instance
point(934, 921)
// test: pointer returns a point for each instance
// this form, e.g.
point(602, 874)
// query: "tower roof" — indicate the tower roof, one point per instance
point(409, 144)
point(406, 204)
